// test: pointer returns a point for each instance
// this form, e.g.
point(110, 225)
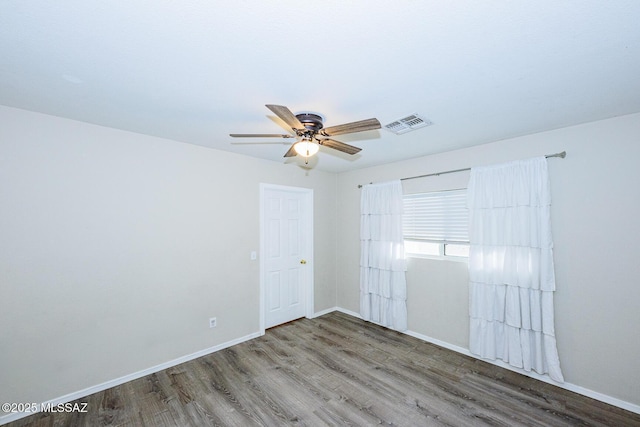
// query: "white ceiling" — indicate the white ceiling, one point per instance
point(195, 71)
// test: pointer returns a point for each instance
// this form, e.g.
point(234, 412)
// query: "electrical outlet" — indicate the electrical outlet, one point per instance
point(213, 322)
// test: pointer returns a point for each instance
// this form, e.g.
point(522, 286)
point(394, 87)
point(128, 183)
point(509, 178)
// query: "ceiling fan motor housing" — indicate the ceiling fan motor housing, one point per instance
point(311, 121)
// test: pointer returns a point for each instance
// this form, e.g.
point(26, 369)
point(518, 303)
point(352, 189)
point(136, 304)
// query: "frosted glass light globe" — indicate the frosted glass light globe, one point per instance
point(306, 148)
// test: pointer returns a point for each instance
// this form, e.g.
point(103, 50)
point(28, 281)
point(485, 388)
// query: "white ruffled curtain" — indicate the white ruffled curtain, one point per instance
point(511, 270)
point(383, 286)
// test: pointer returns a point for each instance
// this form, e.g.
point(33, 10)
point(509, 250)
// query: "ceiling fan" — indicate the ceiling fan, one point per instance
point(310, 130)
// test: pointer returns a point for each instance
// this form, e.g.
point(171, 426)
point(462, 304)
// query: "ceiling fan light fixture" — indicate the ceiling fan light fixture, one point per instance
point(306, 148)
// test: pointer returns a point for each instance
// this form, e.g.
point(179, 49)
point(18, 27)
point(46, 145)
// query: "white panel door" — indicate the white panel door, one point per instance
point(287, 234)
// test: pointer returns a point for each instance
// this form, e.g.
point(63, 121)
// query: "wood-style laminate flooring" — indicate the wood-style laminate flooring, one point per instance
point(336, 370)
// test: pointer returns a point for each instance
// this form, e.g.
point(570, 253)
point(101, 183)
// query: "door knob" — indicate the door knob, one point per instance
point(303, 261)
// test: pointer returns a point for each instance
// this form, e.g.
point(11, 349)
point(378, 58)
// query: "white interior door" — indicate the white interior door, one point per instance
point(287, 231)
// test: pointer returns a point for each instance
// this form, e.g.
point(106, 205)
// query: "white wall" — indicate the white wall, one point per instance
point(595, 211)
point(116, 248)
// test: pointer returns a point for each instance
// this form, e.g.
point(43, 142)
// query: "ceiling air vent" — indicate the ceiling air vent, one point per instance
point(407, 124)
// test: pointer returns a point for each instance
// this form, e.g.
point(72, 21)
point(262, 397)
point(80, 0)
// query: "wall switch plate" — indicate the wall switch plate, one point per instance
point(213, 322)
point(254, 255)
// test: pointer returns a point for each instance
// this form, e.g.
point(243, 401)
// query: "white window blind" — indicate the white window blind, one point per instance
point(439, 216)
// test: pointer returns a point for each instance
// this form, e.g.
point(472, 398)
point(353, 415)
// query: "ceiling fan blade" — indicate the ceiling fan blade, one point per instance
point(340, 146)
point(260, 135)
point(360, 126)
point(291, 152)
point(286, 115)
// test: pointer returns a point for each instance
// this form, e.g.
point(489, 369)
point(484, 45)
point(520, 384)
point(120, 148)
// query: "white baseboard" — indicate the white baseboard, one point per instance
point(349, 312)
point(567, 386)
point(134, 376)
point(323, 312)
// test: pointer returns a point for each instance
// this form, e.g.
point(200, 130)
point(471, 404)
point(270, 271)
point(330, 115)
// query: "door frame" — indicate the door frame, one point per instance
point(307, 209)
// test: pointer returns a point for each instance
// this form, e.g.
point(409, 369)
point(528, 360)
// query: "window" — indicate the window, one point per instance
point(436, 224)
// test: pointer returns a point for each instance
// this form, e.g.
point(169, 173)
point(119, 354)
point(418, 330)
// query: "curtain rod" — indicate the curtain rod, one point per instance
point(562, 155)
